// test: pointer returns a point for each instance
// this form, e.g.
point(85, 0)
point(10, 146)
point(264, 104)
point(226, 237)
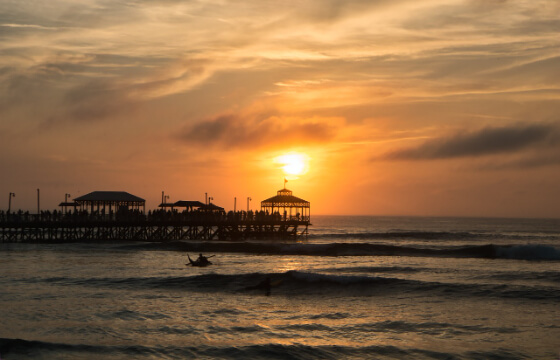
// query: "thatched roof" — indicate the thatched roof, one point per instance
point(188, 204)
point(109, 196)
point(211, 207)
point(167, 205)
point(69, 204)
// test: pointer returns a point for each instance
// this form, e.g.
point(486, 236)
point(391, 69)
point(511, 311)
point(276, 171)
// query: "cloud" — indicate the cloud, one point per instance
point(487, 141)
point(329, 11)
point(528, 162)
point(95, 100)
point(233, 131)
point(90, 87)
point(173, 79)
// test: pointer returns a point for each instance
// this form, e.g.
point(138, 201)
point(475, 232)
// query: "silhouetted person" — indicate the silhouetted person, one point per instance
point(263, 285)
point(202, 259)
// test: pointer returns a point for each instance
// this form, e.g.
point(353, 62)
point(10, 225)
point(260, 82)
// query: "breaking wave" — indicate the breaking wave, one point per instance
point(528, 252)
point(307, 283)
point(515, 252)
point(26, 349)
point(435, 235)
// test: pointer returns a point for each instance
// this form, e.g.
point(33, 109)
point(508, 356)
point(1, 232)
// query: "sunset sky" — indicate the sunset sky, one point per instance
point(399, 107)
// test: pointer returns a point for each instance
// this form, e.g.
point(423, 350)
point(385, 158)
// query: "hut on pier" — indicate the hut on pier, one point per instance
point(68, 204)
point(164, 206)
point(212, 208)
point(188, 205)
point(109, 201)
point(288, 206)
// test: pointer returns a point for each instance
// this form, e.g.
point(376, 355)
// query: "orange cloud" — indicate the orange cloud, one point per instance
point(235, 131)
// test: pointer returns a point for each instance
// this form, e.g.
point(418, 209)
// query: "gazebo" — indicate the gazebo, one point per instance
point(111, 200)
point(290, 207)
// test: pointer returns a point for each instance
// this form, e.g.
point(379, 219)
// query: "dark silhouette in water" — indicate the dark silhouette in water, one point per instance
point(263, 285)
point(202, 261)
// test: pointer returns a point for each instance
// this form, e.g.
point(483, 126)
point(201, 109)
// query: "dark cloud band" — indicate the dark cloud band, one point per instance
point(488, 141)
point(231, 131)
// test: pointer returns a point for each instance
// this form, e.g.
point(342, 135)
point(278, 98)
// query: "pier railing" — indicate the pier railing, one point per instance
point(154, 226)
point(17, 217)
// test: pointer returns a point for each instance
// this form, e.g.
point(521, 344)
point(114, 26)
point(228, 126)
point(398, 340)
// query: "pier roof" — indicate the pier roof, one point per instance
point(211, 207)
point(188, 203)
point(285, 196)
point(73, 203)
point(166, 205)
point(110, 196)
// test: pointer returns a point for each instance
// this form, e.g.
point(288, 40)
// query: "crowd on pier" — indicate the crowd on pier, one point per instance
point(62, 215)
point(151, 216)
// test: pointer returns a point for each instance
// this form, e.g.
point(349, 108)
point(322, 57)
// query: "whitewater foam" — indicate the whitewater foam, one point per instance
point(528, 252)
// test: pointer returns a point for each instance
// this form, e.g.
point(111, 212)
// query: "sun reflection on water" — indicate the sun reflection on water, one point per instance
point(288, 264)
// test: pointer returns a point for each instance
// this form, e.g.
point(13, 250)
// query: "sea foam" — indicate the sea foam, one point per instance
point(528, 252)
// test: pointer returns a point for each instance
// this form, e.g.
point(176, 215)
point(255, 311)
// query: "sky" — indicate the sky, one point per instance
point(398, 107)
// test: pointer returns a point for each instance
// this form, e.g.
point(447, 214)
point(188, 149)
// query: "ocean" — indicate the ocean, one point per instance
point(357, 287)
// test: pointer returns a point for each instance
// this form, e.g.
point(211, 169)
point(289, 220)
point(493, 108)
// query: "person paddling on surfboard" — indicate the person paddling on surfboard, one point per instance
point(202, 259)
point(263, 285)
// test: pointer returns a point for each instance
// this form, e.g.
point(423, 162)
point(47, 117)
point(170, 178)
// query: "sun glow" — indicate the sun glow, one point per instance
point(293, 163)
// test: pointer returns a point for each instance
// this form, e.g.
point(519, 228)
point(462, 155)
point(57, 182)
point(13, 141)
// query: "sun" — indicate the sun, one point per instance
point(293, 163)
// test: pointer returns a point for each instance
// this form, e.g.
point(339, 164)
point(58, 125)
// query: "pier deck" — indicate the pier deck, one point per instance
point(142, 228)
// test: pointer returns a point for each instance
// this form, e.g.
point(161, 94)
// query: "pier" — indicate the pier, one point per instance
point(119, 216)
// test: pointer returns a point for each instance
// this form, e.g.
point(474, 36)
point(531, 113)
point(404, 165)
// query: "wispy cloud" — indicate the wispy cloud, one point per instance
point(487, 141)
point(27, 26)
point(234, 131)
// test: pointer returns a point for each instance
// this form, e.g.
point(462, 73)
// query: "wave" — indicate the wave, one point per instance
point(400, 327)
point(548, 276)
point(528, 252)
point(304, 283)
point(27, 349)
point(489, 251)
point(377, 269)
point(426, 235)
point(31, 349)
point(368, 285)
point(434, 235)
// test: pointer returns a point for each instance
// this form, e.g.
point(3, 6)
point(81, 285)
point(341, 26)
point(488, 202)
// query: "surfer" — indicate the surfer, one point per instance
point(202, 259)
point(263, 285)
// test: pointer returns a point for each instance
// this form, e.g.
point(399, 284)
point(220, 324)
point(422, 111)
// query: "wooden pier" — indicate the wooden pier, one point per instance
point(75, 230)
point(120, 216)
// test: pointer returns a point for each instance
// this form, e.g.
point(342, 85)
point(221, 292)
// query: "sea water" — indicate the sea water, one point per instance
point(356, 288)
